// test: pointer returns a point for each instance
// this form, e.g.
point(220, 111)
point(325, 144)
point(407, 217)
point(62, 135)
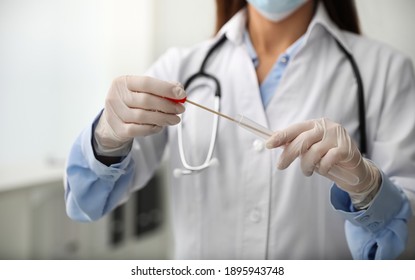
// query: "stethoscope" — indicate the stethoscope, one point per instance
point(210, 161)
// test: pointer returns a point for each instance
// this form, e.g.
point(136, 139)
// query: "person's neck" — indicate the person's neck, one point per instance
point(270, 37)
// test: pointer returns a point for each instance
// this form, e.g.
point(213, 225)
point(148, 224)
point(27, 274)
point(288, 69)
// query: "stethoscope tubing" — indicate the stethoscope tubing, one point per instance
point(212, 142)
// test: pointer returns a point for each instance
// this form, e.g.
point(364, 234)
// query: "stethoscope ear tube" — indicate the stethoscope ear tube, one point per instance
point(360, 98)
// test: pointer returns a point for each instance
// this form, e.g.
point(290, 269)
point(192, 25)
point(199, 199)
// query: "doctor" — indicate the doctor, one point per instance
point(280, 66)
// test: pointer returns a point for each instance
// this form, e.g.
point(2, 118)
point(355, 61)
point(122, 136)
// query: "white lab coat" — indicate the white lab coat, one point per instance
point(244, 208)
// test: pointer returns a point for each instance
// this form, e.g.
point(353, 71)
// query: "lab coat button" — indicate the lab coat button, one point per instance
point(258, 145)
point(284, 59)
point(255, 215)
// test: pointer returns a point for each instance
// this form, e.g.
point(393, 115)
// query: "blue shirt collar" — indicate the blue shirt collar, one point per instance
point(288, 54)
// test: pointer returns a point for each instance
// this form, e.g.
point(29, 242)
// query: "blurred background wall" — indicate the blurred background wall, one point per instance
point(57, 60)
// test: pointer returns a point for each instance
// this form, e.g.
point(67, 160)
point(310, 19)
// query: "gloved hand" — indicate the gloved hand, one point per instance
point(324, 146)
point(135, 107)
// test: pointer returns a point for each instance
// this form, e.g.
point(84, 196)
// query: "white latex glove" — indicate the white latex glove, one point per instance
point(321, 145)
point(135, 107)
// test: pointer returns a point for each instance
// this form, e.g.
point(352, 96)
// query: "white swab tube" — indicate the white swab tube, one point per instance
point(253, 127)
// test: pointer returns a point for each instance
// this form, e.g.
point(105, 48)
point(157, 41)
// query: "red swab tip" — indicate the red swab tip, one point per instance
point(177, 100)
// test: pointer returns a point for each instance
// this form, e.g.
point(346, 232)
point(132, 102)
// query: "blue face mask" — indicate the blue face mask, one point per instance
point(276, 10)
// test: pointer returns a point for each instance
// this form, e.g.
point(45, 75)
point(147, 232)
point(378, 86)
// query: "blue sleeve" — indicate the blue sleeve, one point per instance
point(92, 189)
point(379, 232)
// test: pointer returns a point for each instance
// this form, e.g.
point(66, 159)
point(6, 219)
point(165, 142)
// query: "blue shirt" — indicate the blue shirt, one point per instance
point(268, 87)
